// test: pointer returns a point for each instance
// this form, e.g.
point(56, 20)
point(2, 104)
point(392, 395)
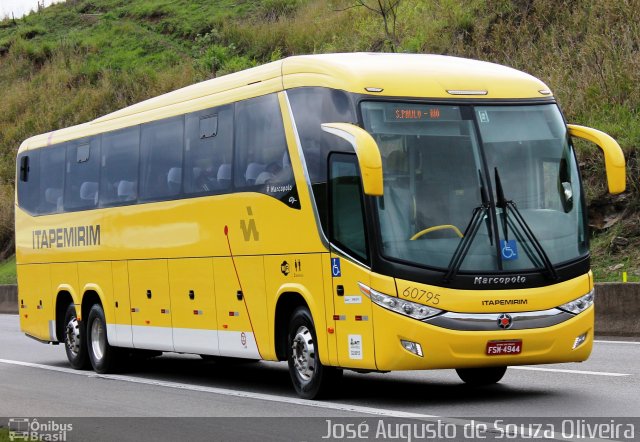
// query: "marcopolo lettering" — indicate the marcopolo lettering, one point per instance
point(482, 280)
point(279, 189)
point(61, 237)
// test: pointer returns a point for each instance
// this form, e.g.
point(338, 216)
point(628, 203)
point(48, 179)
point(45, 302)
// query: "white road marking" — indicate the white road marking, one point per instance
point(602, 341)
point(560, 370)
point(228, 392)
point(523, 431)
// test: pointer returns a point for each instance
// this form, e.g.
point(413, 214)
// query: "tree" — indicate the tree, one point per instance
point(388, 11)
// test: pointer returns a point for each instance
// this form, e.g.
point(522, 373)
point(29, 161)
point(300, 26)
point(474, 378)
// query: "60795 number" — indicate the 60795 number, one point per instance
point(417, 294)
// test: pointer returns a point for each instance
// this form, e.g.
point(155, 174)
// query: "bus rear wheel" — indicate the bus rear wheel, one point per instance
point(102, 355)
point(481, 376)
point(75, 340)
point(310, 378)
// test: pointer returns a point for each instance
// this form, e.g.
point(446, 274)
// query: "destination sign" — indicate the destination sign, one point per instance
point(413, 113)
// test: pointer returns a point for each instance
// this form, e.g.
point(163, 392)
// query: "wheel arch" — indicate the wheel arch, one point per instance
point(290, 297)
point(93, 294)
point(89, 299)
point(65, 296)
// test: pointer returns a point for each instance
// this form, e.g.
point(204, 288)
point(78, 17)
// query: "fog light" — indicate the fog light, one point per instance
point(579, 340)
point(412, 347)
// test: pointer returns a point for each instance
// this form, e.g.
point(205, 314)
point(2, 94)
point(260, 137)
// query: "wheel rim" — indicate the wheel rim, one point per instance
point(97, 339)
point(303, 353)
point(72, 336)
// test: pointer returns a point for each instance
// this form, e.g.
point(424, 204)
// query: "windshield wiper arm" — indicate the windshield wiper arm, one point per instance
point(479, 213)
point(484, 195)
point(505, 205)
point(506, 223)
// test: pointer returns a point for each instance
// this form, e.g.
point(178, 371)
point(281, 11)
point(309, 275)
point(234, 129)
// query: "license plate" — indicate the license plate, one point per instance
point(512, 347)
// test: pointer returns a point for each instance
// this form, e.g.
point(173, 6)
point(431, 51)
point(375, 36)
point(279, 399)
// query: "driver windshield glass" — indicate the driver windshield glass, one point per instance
point(434, 168)
point(529, 147)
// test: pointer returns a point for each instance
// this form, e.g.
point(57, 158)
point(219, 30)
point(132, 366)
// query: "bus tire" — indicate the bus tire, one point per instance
point(75, 343)
point(102, 356)
point(310, 378)
point(481, 376)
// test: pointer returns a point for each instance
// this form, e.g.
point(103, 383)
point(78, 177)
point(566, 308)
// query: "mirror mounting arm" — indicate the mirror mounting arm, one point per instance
point(367, 151)
point(613, 156)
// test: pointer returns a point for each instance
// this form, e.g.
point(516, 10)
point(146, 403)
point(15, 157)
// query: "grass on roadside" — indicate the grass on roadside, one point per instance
point(4, 435)
point(8, 274)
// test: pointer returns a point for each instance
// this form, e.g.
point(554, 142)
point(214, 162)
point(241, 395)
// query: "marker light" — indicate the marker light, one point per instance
point(578, 305)
point(412, 347)
point(579, 340)
point(407, 308)
point(466, 92)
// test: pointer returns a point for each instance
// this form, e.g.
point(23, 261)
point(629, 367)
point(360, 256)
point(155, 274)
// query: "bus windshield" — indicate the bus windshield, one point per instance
point(503, 176)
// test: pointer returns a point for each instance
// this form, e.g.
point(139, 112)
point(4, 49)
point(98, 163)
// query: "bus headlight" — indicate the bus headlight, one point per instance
point(406, 308)
point(578, 305)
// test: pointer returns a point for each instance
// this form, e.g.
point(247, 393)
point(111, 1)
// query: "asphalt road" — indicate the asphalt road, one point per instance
point(182, 397)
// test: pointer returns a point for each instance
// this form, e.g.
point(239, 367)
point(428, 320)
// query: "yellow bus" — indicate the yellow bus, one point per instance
point(371, 212)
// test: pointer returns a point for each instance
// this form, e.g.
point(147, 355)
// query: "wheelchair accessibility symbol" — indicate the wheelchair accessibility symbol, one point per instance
point(335, 267)
point(509, 249)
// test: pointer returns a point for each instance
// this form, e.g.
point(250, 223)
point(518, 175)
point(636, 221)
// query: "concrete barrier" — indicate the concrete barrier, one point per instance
point(9, 299)
point(617, 307)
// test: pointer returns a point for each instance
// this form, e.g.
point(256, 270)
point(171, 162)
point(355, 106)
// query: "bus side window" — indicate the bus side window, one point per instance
point(346, 205)
point(161, 159)
point(82, 172)
point(311, 107)
point(262, 162)
point(29, 189)
point(208, 151)
point(261, 148)
point(52, 161)
point(119, 175)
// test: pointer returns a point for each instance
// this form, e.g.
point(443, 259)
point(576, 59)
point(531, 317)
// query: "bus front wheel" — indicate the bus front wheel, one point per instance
point(481, 376)
point(310, 378)
point(74, 340)
point(102, 355)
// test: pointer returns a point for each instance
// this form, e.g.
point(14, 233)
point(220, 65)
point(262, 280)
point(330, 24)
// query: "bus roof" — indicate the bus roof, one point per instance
point(398, 75)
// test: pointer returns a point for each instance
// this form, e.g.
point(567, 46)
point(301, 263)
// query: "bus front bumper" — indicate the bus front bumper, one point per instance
point(446, 348)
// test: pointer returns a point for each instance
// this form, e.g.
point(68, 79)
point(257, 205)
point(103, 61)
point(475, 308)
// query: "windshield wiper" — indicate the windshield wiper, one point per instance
point(479, 213)
point(506, 223)
point(520, 222)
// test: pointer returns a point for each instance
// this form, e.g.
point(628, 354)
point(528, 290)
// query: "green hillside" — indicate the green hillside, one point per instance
point(8, 271)
point(74, 61)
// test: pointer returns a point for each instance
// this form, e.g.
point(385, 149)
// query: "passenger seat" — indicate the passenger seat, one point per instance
point(174, 180)
point(224, 175)
point(127, 190)
point(253, 170)
point(89, 192)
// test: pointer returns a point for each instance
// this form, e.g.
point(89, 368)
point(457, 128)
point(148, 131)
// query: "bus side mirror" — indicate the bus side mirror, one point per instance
point(367, 152)
point(613, 157)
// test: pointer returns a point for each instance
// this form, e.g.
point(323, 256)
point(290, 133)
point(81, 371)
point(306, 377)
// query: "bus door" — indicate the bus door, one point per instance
point(236, 328)
point(35, 301)
point(150, 305)
point(352, 310)
point(195, 325)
